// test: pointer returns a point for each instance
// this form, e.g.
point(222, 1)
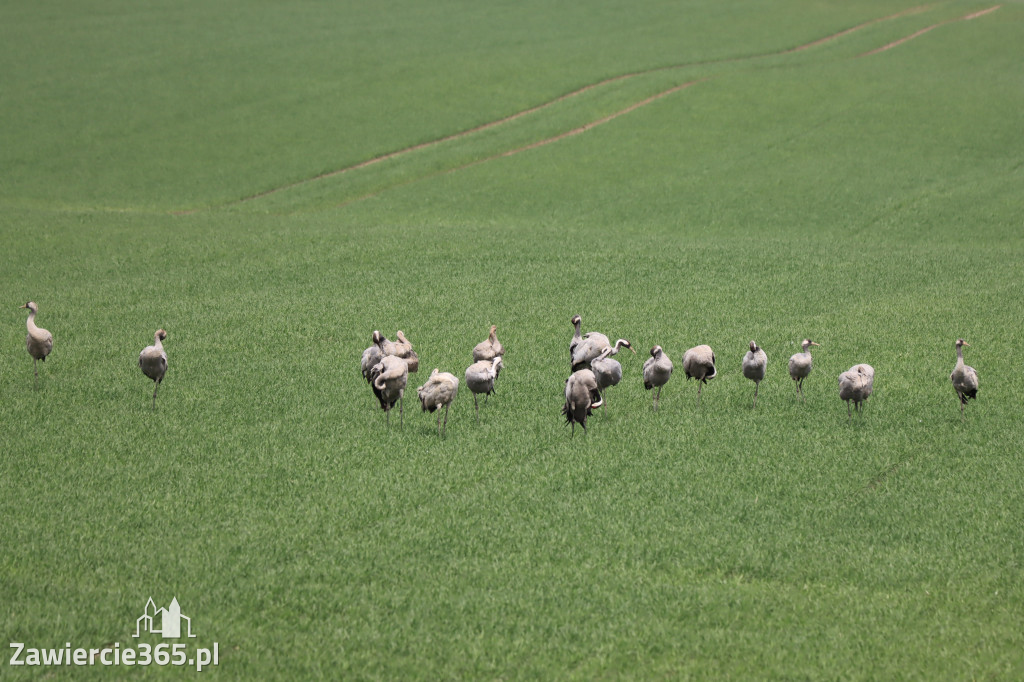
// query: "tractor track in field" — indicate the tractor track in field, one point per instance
point(584, 128)
point(895, 43)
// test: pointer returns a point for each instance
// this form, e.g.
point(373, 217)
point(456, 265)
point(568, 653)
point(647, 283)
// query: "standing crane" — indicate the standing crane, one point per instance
point(38, 342)
point(856, 384)
point(608, 372)
point(440, 390)
point(699, 364)
point(657, 370)
point(800, 365)
point(480, 378)
point(388, 380)
point(490, 348)
point(964, 377)
point(754, 364)
point(153, 361)
point(581, 397)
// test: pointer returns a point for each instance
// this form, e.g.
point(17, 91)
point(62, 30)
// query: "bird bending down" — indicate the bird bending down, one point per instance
point(754, 364)
point(964, 377)
point(657, 370)
point(856, 384)
point(480, 378)
point(800, 365)
point(401, 349)
point(389, 377)
point(489, 349)
point(581, 397)
point(699, 364)
point(153, 361)
point(608, 372)
point(440, 390)
point(38, 342)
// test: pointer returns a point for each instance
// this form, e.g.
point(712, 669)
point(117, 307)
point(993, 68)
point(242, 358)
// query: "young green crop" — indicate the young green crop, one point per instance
point(870, 203)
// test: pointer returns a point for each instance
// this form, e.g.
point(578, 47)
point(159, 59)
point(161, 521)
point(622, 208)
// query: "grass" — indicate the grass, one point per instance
point(870, 203)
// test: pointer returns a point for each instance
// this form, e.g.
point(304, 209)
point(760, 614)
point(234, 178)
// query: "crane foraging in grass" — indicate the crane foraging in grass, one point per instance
point(581, 397)
point(153, 361)
point(699, 364)
point(480, 378)
point(439, 391)
point(608, 372)
point(964, 377)
point(800, 365)
point(657, 371)
point(754, 364)
point(388, 379)
point(38, 342)
point(856, 384)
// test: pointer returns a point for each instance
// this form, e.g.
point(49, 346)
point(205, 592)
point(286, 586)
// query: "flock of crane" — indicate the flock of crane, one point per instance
point(386, 366)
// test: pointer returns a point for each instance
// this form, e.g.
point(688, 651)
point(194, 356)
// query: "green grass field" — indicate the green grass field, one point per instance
point(270, 182)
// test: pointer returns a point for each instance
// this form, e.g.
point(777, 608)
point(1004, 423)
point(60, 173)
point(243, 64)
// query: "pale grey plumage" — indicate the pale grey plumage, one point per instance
point(856, 384)
point(587, 350)
point(657, 371)
point(439, 391)
point(964, 377)
point(755, 362)
point(389, 379)
point(153, 361)
point(490, 348)
point(371, 356)
point(577, 337)
point(581, 397)
point(800, 365)
point(480, 379)
point(699, 364)
point(38, 341)
point(608, 372)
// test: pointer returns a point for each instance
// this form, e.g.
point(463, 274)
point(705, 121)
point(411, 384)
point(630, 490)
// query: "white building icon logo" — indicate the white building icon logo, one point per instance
point(169, 621)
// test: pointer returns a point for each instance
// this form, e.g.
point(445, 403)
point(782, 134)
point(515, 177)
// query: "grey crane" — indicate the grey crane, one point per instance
point(38, 342)
point(754, 364)
point(800, 365)
point(371, 356)
point(489, 348)
point(964, 377)
point(699, 364)
point(480, 378)
point(576, 337)
point(153, 361)
point(657, 371)
point(388, 380)
point(856, 384)
point(581, 397)
point(608, 372)
point(439, 391)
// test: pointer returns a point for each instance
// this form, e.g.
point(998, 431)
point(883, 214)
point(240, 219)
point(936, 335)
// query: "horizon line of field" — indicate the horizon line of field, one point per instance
point(593, 124)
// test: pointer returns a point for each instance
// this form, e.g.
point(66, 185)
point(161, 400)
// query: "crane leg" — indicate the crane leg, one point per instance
point(445, 421)
point(700, 385)
point(757, 385)
point(387, 415)
point(476, 407)
point(156, 385)
point(401, 409)
point(656, 396)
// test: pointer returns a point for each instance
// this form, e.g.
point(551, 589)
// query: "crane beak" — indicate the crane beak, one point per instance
point(816, 344)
